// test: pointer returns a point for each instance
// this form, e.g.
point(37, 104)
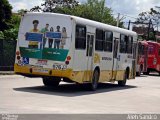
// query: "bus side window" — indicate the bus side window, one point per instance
point(99, 40)
point(139, 48)
point(108, 41)
point(130, 44)
point(80, 38)
point(122, 43)
point(134, 50)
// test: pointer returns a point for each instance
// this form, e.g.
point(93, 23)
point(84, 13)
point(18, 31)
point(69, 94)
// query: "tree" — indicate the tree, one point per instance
point(151, 19)
point(153, 15)
point(96, 10)
point(12, 32)
point(92, 9)
point(15, 20)
point(1, 35)
point(22, 11)
point(5, 14)
point(53, 5)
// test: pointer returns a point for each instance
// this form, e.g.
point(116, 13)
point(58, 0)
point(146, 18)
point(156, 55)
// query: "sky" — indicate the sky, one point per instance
point(131, 8)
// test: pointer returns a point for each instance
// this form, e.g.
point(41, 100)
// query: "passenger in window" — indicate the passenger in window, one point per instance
point(64, 37)
point(50, 40)
point(57, 40)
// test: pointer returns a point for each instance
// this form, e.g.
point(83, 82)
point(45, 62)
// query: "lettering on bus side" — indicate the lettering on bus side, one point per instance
point(107, 58)
point(130, 56)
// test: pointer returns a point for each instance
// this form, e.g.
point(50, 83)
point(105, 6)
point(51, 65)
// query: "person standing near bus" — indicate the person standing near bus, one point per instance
point(34, 44)
point(57, 40)
point(50, 40)
point(64, 37)
point(44, 30)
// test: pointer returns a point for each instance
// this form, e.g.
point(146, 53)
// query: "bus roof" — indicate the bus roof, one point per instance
point(143, 42)
point(84, 21)
point(153, 42)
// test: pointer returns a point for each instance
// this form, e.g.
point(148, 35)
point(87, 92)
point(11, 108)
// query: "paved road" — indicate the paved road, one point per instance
point(28, 95)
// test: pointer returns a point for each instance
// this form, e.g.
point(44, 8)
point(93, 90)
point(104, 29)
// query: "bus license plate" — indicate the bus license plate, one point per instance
point(41, 70)
point(59, 67)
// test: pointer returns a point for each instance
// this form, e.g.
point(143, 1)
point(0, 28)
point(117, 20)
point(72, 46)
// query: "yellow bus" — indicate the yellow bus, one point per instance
point(60, 47)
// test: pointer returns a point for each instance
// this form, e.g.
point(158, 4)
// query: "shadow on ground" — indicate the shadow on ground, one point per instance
point(72, 90)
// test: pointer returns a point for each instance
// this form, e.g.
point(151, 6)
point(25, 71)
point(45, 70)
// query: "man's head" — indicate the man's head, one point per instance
point(47, 25)
point(35, 23)
point(58, 28)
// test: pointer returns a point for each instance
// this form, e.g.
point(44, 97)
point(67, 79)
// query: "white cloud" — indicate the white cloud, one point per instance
point(129, 7)
point(24, 4)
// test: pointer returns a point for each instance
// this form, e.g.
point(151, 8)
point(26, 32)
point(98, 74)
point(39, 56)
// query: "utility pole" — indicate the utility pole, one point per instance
point(129, 24)
point(118, 19)
point(149, 28)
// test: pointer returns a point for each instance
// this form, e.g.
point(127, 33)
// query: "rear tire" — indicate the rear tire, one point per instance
point(50, 82)
point(123, 82)
point(148, 71)
point(95, 79)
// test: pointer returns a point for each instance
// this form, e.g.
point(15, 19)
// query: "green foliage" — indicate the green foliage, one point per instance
point(1, 35)
point(11, 34)
point(96, 10)
point(92, 9)
point(53, 5)
point(5, 14)
point(22, 11)
point(15, 21)
point(151, 36)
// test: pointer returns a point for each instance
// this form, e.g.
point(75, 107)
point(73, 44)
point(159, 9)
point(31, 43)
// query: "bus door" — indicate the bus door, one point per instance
point(89, 54)
point(135, 52)
point(115, 58)
point(145, 58)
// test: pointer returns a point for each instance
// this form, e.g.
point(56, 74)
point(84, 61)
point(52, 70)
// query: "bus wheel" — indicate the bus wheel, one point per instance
point(50, 82)
point(94, 83)
point(123, 82)
point(148, 71)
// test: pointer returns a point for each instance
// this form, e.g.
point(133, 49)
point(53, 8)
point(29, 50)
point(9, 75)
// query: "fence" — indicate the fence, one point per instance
point(7, 54)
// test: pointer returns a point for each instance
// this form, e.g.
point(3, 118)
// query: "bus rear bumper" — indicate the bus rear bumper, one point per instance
point(31, 71)
point(68, 74)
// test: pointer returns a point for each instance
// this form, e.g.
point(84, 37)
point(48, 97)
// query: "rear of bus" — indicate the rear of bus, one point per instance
point(142, 58)
point(44, 46)
point(153, 57)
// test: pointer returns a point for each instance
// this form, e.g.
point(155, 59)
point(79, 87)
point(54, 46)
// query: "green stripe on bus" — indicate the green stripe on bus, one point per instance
point(31, 52)
point(46, 53)
point(55, 54)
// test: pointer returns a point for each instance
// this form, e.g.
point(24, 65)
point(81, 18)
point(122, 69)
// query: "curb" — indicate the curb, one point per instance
point(6, 72)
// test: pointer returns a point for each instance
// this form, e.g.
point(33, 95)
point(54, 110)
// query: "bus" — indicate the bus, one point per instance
point(153, 57)
point(142, 57)
point(58, 47)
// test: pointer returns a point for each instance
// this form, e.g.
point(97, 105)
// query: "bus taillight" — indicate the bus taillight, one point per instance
point(17, 53)
point(68, 57)
point(18, 57)
point(67, 62)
